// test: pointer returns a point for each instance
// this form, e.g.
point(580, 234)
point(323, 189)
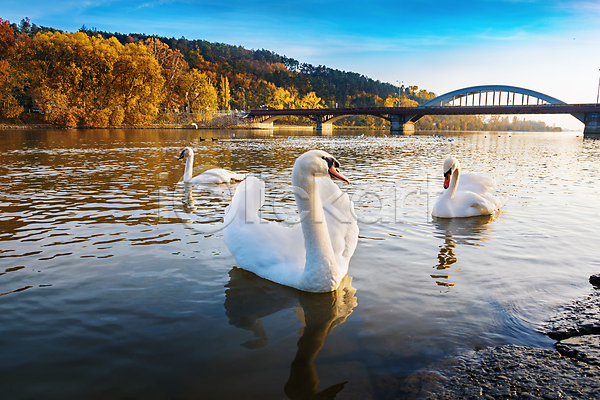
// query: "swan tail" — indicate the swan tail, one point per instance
point(499, 201)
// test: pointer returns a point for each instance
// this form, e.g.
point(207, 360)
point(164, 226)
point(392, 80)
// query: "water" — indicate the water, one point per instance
point(115, 281)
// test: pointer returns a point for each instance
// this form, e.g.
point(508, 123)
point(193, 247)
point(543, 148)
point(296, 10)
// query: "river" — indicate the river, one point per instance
point(115, 281)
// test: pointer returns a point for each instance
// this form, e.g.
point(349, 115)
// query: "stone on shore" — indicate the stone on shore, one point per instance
point(582, 317)
point(583, 348)
point(516, 372)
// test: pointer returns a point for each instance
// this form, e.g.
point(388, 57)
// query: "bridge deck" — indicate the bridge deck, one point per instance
point(445, 110)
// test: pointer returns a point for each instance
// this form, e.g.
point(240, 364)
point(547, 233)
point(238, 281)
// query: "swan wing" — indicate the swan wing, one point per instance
point(341, 220)
point(268, 249)
point(472, 182)
point(467, 204)
point(217, 175)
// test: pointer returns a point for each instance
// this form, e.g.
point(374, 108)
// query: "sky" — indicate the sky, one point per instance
point(550, 46)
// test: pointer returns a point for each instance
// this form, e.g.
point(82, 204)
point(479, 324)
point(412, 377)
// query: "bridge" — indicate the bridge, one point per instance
point(475, 100)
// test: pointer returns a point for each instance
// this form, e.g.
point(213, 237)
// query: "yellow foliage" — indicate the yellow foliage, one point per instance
point(390, 101)
point(173, 68)
point(310, 101)
point(200, 94)
point(404, 102)
point(82, 80)
point(281, 98)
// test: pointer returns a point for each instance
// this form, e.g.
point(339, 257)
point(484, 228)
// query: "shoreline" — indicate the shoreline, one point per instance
point(570, 371)
point(243, 127)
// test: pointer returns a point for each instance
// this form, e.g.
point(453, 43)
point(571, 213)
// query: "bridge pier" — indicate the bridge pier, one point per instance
point(260, 125)
point(401, 125)
point(323, 128)
point(592, 125)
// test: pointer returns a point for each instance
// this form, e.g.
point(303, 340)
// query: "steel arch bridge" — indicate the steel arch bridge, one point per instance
point(474, 100)
point(493, 94)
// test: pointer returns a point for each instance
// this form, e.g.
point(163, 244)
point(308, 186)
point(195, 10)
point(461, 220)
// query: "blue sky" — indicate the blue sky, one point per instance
point(551, 46)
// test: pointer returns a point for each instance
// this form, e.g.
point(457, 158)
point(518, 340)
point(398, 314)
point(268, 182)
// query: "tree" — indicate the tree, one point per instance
point(139, 84)
point(224, 93)
point(91, 81)
point(390, 101)
point(310, 101)
point(9, 106)
point(200, 94)
point(404, 102)
point(281, 98)
point(173, 67)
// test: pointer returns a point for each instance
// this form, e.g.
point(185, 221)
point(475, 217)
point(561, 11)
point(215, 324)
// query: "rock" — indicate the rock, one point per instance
point(595, 280)
point(582, 317)
point(584, 348)
point(516, 372)
point(521, 373)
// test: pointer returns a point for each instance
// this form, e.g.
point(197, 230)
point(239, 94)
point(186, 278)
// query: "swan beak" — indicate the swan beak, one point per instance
point(447, 176)
point(335, 173)
point(181, 156)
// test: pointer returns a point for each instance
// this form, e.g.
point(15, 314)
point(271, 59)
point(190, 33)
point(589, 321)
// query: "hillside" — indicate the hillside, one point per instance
point(96, 78)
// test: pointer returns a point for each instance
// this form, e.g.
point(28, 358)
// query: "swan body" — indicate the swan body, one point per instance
point(214, 175)
point(466, 194)
point(312, 256)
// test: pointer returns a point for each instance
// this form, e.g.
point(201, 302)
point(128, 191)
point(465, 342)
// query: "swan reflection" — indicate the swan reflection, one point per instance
point(188, 203)
point(250, 298)
point(465, 231)
point(202, 206)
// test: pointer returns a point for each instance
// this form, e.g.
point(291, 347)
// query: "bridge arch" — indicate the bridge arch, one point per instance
point(477, 92)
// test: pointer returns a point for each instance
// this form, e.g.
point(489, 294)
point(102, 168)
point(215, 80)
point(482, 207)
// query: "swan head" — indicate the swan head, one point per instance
point(320, 163)
point(450, 165)
point(186, 152)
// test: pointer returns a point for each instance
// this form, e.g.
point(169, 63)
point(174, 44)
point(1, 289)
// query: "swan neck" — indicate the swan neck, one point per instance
point(320, 260)
point(453, 182)
point(189, 165)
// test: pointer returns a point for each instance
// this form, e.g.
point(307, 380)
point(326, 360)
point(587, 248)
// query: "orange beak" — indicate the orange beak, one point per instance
point(335, 173)
point(447, 180)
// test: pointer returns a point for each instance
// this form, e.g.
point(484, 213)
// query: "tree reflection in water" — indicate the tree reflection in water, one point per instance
point(468, 231)
point(250, 298)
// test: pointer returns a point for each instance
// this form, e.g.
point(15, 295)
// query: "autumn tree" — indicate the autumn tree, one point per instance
point(200, 94)
point(310, 101)
point(9, 106)
point(138, 84)
point(173, 68)
point(281, 98)
point(91, 81)
point(390, 101)
point(224, 93)
point(404, 102)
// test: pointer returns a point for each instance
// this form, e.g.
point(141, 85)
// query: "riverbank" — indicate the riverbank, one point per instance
point(572, 371)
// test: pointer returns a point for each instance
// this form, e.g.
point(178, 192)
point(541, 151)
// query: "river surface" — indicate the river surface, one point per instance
point(115, 281)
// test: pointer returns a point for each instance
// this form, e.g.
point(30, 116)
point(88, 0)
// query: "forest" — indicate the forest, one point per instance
point(92, 78)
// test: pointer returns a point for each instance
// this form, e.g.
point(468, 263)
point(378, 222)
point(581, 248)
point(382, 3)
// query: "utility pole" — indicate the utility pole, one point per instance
point(400, 83)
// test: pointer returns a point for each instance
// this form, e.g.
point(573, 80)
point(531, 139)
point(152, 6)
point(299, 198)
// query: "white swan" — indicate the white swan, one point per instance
point(312, 256)
point(214, 175)
point(465, 195)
